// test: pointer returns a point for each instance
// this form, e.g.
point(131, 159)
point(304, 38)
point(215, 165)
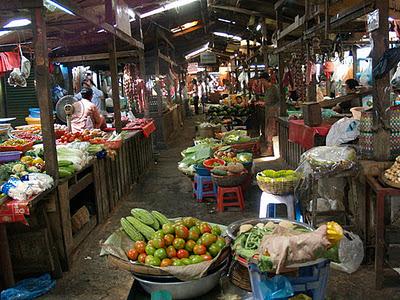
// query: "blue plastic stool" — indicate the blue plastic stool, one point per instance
point(311, 280)
point(271, 211)
point(203, 187)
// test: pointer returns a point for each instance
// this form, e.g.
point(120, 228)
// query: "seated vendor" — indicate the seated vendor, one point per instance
point(351, 88)
point(86, 114)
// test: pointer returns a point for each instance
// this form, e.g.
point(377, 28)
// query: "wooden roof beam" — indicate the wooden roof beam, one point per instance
point(166, 58)
point(162, 35)
point(269, 16)
point(89, 57)
point(281, 3)
point(92, 18)
point(20, 4)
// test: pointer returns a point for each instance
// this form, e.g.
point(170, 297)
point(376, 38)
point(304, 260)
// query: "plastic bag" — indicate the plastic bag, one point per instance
point(343, 131)
point(30, 288)
point(278, 287)
point(25, 65)
point(327, 160)
point(16, 78)
point(351, 253)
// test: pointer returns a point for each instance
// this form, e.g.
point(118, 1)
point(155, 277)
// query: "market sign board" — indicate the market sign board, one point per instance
point(193, 68)
point(373, 21)
point(208, 58)
point(122, 16)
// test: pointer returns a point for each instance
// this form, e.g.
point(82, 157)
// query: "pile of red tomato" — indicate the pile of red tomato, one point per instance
point(70, 137)
point(179, 244)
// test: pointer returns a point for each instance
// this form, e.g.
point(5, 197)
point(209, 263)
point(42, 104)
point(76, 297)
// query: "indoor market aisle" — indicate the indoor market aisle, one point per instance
point(165, 189)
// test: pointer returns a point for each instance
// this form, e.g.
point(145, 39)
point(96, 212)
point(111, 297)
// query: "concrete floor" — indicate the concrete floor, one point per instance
point(165, 189)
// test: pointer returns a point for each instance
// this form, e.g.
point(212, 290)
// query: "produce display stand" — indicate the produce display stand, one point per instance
point(34, 248)
point(108, 181)
point(50, 210)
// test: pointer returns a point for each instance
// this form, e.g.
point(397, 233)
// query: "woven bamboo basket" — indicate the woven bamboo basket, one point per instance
point(277, 187)
point(230, 180)
point(140, 269)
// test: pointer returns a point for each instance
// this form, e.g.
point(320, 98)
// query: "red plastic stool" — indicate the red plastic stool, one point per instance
point(234, 194)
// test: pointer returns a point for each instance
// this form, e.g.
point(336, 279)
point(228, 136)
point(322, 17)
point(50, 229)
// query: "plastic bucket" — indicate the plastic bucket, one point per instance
point(34, 112)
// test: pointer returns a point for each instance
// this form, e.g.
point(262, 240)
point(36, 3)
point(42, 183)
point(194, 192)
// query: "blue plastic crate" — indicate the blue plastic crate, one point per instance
point(311, 280)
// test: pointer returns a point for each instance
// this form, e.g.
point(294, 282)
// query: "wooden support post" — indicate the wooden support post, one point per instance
point(380, 39)
point(281, 66)
point(43, 92)
point(6, 275)
point(327, 19)
point(355, 60)
point(157, 57)
point(114, 84)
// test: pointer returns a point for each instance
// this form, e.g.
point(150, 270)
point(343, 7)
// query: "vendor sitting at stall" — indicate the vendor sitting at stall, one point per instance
point(350, 88)
point(86, 114)
point(271, 103)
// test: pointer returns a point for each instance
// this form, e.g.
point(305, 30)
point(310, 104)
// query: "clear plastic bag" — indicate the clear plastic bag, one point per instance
point(16, 78)
point(327, 160)
point(351, 253)
point(30, 288)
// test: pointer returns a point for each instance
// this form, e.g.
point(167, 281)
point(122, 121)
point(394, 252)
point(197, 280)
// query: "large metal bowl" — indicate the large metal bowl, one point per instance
point(233, 228)
point(184, 289)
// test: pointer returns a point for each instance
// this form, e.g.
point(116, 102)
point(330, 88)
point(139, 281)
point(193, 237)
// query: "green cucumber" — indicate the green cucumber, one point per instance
point(64, 163)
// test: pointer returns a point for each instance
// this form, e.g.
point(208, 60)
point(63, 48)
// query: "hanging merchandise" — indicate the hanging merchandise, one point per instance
point(311, 70)
point(9, 61)
point(387, 62)
point(25, 65)
point(16, 78)
point(328, 69)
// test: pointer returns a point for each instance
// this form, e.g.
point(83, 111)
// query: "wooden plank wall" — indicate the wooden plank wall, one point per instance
point(114, 179)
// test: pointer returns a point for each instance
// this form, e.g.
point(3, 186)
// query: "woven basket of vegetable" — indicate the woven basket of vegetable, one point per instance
point(230, 180)
point(277, 182)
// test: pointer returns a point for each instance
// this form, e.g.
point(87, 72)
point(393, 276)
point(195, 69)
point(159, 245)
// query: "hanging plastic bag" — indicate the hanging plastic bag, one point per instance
point(16, 78)
point(30, 288)
point(25, 65)
point(351, 253)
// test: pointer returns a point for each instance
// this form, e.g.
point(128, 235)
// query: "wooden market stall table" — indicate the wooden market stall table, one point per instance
point(108, 181)
point(374, 185)
point(100, 185)
point(17, 251)
point(295, 138)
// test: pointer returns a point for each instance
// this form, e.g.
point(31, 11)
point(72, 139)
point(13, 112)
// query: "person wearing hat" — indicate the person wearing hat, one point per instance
point(86, 114)
point(271, 104)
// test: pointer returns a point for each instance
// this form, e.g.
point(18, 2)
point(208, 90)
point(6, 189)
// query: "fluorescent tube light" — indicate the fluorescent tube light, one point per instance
point(228, 36)
point(17, 23)
point(4, 32)
point(184, 26)
point(198, 51)
point(169, 6)
point(59, 6)
point(258, 27)
point(226, 21)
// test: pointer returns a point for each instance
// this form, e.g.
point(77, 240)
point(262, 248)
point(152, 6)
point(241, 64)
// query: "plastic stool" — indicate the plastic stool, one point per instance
point(203, 187)
point(311, 280)
point(268, 199)
point(236, 195)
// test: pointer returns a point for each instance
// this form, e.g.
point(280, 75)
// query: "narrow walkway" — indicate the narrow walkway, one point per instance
point(165, 189)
